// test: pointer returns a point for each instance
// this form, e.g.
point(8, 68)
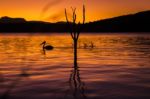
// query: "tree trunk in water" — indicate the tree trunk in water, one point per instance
point(75, 53)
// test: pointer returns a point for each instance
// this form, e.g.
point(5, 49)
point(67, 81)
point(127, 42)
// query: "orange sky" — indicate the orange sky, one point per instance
point(53, 10)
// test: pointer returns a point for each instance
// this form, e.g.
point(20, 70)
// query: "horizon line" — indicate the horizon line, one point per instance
point(86, 22)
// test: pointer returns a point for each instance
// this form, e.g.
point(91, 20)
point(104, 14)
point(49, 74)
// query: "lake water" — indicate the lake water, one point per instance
point(117, 67)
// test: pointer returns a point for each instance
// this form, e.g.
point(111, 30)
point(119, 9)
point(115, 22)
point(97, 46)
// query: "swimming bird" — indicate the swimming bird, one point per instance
point(46, 47)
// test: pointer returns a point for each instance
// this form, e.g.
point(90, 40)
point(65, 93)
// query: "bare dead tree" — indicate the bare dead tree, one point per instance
point(75, 29)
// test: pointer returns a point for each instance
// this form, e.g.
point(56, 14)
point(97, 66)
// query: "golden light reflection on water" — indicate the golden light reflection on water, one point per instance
point(118, 60)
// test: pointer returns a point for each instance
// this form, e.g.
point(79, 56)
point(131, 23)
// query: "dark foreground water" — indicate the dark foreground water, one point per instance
point(118, 67)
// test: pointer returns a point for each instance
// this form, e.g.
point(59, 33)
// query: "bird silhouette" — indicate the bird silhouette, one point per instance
point(46, 47)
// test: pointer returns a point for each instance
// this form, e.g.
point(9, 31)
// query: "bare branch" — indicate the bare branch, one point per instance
point(75, 29)
point(72, 35)
point(66, 16)
point(83, 14)
point(78, 30)
point(71, 29)
point(74, 15)
point(78, 33)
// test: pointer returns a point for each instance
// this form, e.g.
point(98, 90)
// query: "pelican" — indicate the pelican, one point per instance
point(46, 47)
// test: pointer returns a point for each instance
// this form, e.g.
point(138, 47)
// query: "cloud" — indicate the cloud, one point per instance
point(59, 16)
point(49, 5)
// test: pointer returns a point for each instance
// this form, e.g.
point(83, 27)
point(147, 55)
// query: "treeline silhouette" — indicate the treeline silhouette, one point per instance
point(8, 24)
point(138, 22)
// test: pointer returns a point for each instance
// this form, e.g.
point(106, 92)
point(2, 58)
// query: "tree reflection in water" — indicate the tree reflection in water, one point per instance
point(76, 85)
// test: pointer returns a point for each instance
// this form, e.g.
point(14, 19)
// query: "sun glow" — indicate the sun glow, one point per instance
point(53, 10)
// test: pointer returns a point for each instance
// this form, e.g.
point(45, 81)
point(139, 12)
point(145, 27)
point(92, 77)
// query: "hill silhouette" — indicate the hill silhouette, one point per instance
point(138, 22)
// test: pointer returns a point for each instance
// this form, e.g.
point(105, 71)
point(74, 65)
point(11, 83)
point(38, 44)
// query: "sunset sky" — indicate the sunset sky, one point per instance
point(53, 10)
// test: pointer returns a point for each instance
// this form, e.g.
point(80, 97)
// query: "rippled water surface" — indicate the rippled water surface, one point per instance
point(117, 67)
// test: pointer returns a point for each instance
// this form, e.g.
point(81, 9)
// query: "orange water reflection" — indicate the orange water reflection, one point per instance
point(116, 66)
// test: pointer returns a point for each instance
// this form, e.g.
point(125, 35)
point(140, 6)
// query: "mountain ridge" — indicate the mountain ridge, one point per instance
point(138, 22)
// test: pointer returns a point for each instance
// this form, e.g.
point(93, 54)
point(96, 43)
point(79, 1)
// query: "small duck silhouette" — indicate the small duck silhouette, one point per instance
point(46, 47)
